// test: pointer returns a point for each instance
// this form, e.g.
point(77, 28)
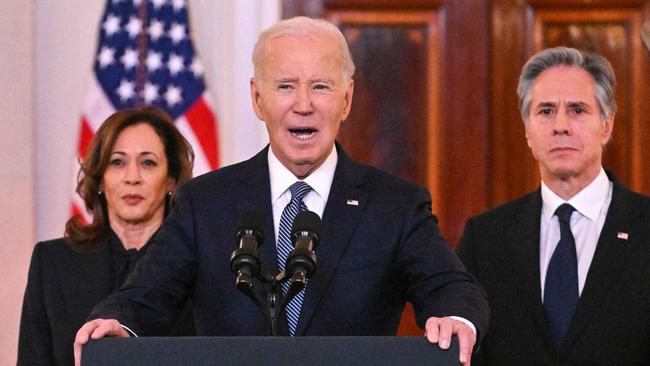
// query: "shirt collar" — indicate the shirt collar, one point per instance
point(589, 201)
point(320, 180)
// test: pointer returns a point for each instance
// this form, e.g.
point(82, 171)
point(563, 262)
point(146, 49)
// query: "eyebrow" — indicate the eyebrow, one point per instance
point(546, 104)
point(295, 80)
point(140, 154)
point(555, 104)
point(579, 104)
point(286, 80)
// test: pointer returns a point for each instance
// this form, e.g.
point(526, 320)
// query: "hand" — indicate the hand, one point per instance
point(96, 329)
point(440, 330)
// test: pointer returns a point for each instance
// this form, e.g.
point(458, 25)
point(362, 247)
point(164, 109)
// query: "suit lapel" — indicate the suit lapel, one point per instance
point(255, 193)
point(346, 202)
point(610, 258)
point(522, 245)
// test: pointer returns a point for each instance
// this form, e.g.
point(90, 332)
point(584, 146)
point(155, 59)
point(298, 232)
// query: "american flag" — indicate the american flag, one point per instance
point(145, 57)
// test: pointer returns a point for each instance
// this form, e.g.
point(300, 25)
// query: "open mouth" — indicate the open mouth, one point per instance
point(303, 133)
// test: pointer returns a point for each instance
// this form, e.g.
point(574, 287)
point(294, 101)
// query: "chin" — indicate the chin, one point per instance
point(564, 172)
point(132, 217)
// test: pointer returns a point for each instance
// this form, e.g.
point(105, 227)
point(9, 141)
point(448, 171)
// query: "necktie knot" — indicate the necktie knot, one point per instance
point(299, 190)
point(564, 213)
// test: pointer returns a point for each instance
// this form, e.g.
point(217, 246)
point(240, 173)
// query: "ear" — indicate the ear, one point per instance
point(171, 185)
point(527, 133)
point(608, 128)
point(348, 99)
point(256, 98)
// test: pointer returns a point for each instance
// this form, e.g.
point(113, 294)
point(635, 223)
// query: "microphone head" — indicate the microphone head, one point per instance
point(251, 222)
point(306, 221)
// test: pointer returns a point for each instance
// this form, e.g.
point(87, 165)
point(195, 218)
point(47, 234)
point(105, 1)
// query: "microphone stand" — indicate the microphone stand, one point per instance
point(300, 264)
point(276, 301)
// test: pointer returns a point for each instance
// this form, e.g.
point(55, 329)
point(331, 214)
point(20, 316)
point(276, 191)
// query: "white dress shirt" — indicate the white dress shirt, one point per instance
point(591, 204)
point(320, 181)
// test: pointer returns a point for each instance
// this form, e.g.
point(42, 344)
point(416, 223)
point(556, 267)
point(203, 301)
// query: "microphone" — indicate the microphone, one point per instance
point(301, 262)
point(244, 261)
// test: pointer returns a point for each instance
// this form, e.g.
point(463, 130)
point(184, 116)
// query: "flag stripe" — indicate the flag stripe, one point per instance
point(201, 162)
point(200, 118)
point(85, 135)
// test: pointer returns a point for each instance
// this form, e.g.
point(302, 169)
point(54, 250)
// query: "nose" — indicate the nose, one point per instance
point(562, 124)
point(303, 103)
point(132, 174)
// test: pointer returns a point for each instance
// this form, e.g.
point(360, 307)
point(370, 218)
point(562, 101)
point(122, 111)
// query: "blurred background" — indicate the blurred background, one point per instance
point(435, 100)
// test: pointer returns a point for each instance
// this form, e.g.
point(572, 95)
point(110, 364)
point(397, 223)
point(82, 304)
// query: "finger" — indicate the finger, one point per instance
point(446, 327)
point(81, 338)
point(77, 354)
point(465, 344)
point(432, 329)
point(84, 332)
point(107, 328)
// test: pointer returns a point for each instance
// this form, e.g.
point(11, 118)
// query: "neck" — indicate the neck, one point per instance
point(568, 186)
point(135, 236)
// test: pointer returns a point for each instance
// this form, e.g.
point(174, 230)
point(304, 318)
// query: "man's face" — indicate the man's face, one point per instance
point(565, 131)
point(301, 96)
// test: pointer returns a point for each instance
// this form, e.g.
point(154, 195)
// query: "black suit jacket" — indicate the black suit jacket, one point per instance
point(611, 325)
point(379, 246)
point(63, 286)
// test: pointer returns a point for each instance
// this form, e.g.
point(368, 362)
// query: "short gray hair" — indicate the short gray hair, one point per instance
point(596, 65)
point(303, 26)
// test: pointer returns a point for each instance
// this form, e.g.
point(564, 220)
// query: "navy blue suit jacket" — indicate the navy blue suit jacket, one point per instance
point(611, 324)
point(373, 256)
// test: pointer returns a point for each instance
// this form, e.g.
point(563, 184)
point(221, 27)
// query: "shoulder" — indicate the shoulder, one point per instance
point(630, 206)
point(633, 198)
point(380, 182)
point(228, 178)
point(53, 247)
point(508, 211)
point(46, 258)
point(57, 253)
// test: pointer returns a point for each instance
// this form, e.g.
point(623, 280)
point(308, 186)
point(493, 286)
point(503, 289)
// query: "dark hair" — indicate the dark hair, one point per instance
point(596, 65)
point(180, 158)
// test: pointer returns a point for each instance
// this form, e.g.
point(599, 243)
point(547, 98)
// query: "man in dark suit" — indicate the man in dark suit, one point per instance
point(379, 243)
point(567, 267)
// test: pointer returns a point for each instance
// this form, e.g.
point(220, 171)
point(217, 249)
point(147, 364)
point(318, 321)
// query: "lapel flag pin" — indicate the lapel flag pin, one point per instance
point(353, 203)
point(622, 235)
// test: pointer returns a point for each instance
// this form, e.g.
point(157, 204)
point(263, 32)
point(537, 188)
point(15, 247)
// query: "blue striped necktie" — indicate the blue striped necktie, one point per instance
point(561, 285)
point(298, 191)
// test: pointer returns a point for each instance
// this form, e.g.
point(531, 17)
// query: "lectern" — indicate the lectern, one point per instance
point(238, 351)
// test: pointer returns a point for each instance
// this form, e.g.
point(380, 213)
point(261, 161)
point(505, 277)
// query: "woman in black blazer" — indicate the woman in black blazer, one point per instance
point(131, 170)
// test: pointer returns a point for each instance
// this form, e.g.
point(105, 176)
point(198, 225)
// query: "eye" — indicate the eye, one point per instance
point(149, 162)
point(321, 87)
point(578, 110)
point(116, 162)
point(546, 111)
point(285, 87)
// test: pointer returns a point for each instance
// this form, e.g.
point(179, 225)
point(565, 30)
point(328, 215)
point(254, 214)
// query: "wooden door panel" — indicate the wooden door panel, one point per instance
point(395, 117)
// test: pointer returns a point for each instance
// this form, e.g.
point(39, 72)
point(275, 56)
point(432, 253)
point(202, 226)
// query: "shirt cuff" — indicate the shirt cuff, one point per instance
point(132, 333)
point(461, 319)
